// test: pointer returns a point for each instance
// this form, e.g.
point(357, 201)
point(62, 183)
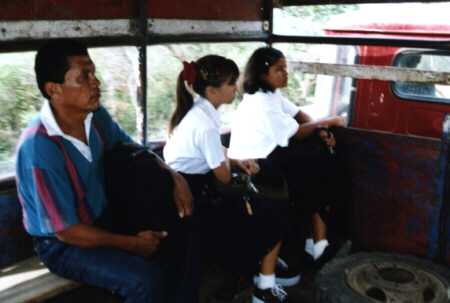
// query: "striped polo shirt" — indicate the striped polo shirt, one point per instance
point(57, 184)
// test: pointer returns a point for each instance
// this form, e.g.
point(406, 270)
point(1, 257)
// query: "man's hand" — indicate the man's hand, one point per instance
point(250, 167)
point(182, 195)
point(181, 192)
point(144, 243)
point(147, 242)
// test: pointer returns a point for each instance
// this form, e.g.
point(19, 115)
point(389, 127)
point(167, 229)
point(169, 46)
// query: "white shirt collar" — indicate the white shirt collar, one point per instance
point(209, 110)
point(268, 92)
point(53, 129)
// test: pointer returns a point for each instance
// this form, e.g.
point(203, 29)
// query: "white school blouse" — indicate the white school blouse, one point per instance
point(194, 147)
point(262, 122)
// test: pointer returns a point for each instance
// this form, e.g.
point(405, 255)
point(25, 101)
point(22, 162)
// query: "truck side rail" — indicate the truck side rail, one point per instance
point(372, 72)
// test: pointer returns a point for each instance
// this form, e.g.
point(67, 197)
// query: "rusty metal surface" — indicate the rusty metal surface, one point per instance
point(394, 183)
point(114, 9)
point(15, 244)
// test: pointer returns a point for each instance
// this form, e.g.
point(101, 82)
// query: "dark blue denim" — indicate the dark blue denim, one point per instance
point(136, 279)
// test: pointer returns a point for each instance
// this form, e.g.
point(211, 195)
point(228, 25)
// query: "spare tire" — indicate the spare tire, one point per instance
point(381, 277)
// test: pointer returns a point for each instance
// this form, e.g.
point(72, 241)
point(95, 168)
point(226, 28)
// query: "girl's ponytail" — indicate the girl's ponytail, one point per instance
point(185, 100)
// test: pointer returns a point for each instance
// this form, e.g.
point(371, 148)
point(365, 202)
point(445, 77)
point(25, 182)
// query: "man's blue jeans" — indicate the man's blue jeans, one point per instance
point(136, 279)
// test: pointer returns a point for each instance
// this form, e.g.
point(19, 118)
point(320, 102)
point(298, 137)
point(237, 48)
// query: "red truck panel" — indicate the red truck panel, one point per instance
point(394, 189)
point(118, 9)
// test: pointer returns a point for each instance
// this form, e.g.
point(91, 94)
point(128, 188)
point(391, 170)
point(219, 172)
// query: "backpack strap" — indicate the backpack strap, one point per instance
point(80, 194)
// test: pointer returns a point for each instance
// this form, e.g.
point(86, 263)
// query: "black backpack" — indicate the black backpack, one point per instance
point(139, 190)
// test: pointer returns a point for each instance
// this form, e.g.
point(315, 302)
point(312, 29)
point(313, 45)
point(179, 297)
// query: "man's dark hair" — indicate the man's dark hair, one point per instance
point(257, 66)
point(51, 62)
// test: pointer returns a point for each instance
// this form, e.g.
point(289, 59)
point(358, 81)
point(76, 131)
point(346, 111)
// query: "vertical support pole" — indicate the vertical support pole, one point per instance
point(142, 49)
point(444, 216)
point(268, 20)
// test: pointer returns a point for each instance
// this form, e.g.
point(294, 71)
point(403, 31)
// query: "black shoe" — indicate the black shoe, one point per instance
point(275, 294)
point(328, 254)
point(325, 257)
point(284, 275)
point(333, 250)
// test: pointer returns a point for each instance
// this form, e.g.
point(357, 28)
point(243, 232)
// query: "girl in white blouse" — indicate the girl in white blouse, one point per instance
point(240, 241)
point(267, 126)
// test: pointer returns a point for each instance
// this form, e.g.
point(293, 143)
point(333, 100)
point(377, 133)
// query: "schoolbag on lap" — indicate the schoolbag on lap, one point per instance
point(139, 190)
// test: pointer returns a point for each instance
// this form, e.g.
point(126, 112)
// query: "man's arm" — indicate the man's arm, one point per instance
point(302, 117)
point(143, 244)
point(181, 192)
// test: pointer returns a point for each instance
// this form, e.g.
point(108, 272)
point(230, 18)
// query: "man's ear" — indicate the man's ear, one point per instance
point(52, 89)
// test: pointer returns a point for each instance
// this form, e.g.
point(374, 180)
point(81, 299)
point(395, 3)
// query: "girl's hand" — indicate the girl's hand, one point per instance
point(335, 121)
point(250, 167)
point(328, 138)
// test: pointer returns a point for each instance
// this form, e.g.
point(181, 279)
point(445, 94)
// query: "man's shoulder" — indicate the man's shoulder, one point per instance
point(36, 147)
point(102, 115)
point(34, 132)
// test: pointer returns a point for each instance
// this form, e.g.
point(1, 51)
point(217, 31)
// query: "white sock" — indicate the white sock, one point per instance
point(319, 248)
point(266, 281)
point(309, 246)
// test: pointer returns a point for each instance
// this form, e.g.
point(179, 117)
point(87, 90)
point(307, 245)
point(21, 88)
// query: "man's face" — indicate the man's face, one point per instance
point(81, 88)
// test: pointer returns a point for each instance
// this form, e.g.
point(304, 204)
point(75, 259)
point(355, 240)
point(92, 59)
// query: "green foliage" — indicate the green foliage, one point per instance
point(114, 70)
point(19, 96)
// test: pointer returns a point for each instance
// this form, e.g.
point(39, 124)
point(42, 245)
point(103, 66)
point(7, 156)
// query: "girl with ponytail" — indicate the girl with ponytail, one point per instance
point(240, 242)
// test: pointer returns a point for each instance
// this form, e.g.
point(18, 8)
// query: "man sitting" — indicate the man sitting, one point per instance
point(60, 185)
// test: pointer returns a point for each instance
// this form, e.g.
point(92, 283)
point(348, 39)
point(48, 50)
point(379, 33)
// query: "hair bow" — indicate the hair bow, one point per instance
point(189, 72)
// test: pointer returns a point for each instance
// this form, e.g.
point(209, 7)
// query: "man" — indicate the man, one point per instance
point(61, 187)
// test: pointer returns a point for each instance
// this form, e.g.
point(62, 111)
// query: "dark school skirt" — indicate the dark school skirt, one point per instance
point(230, 236)
point(310, 171)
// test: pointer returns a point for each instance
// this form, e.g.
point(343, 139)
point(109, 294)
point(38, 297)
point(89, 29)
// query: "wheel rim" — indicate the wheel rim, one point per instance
point(396, 282)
